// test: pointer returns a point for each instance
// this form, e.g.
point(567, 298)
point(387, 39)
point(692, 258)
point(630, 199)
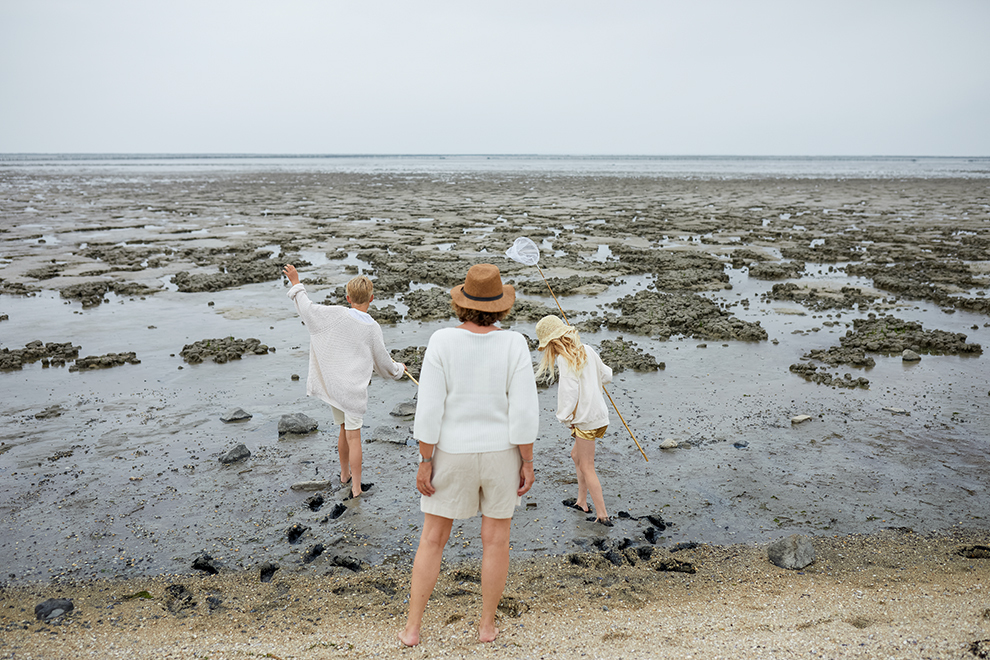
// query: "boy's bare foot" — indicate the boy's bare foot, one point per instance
point(409, 637)
point(487, 633)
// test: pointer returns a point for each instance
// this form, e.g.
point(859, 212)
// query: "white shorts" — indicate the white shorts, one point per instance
point(350, 422)
point(467, 484)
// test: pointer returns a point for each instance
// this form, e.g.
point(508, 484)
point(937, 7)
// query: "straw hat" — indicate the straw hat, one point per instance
point(483, 290)
point(550, 328)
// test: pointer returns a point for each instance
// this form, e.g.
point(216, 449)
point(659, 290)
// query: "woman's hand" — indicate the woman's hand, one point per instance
point(290, 272)
point(424, 479)
point(526, 478)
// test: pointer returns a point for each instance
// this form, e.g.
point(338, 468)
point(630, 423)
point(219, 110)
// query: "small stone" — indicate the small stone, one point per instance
point(895, 411)
point(910, 356)
point(238, 453)
point(310, 485)
point(800, 419)
point(404, 409)
point(52, 608)
point(669, 443)
point(295, 376)
point(296, 423)
point(235, 415)
point(793, 553)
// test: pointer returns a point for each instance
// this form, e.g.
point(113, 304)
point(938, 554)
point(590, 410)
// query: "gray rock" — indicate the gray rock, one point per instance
point(793, 553)
point(910, 356)
point(297, 423)
point(238, 453)
point(404, 409)
point(235, 415)
point(52, 608)
point(799, 419)
point(310, 485)
point(895, 411)
point(394, 434)
point(669, 443)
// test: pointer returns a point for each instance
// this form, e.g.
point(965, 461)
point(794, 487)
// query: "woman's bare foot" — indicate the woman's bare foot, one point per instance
point(409, 637)
point(487, 633)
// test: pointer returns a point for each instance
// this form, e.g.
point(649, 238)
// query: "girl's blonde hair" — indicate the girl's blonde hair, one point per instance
point(567, 346)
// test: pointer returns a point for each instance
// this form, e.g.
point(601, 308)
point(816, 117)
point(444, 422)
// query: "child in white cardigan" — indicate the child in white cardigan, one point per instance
point(580, 404)
point(346, 346)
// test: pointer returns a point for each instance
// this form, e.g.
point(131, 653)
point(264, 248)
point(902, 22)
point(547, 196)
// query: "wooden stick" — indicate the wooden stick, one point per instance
point(603, 387)
point(411, 378)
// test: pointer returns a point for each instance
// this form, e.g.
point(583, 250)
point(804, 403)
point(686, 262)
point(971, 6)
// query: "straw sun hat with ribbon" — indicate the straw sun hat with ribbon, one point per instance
point(483, 290)
point(550, 328)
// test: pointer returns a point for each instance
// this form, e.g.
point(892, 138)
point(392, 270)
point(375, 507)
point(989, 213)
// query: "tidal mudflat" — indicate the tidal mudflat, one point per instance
point(728, 308)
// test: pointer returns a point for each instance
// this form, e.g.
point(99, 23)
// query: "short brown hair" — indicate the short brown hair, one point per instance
point(467, 315)
point(359, 290)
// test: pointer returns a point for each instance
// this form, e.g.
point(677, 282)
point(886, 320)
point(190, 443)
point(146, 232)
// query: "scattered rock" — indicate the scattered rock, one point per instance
point(267, 571)
point(404, 409)
point(793, 552)
point(206, 563)
point(980, 648)
point(412, 357)
point(235, 415)
point(974, 551)
point(895, 411)
point(620, 354)
point(52, 609)
point(311, 485)
point(238, 453)
point(673, 565)
point(800, 419)
point(104, 361)
point(294, 533)
point(397, 435)
point(222, 350)
point(313, 552)
point(663, 315)
point(56, 354)
point(297, 424)
point(668, 443)
point(177, 598)
point(910, 356)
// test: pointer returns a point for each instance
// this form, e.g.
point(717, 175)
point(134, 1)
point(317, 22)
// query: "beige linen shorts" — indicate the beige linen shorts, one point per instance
point(350, 422)
point(467, 484)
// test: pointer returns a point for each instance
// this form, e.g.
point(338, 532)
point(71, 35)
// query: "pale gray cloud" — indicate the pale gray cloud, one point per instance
point(509, 77)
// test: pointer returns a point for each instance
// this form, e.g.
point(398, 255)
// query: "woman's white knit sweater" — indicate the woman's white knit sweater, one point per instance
point(579, 396)
point(477, 392)
point(345, 346)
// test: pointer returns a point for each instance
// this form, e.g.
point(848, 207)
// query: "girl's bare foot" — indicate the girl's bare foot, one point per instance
point(409, 637)
point(487, 633)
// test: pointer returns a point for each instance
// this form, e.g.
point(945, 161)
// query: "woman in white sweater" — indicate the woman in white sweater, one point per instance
point(476, 420)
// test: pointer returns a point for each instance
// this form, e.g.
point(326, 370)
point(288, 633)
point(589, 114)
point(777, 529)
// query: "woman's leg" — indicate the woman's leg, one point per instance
point(582, 499)
point(426, 568)
point(584, 458)
point(494, 571)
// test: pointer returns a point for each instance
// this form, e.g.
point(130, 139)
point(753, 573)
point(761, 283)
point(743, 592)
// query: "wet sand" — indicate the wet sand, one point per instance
point(112, 474)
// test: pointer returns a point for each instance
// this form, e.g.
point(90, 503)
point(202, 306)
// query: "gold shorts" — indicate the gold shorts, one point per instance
point(589, 435)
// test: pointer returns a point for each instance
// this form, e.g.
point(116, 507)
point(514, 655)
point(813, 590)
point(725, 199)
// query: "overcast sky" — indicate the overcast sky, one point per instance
point(898, 77)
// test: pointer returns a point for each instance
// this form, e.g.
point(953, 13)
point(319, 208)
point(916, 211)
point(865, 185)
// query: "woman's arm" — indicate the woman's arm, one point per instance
point(527, 477)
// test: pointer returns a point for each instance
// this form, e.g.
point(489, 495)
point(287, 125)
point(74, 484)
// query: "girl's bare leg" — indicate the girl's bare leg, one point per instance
point(584, 458)
point(494, 571)
point(582, 498)
point(426, 568)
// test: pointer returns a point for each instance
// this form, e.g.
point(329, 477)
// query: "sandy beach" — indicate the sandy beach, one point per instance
point(758, 328)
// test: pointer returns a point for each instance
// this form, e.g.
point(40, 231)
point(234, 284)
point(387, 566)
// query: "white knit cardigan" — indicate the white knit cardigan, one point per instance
point(345, 347)
point(579, 396)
